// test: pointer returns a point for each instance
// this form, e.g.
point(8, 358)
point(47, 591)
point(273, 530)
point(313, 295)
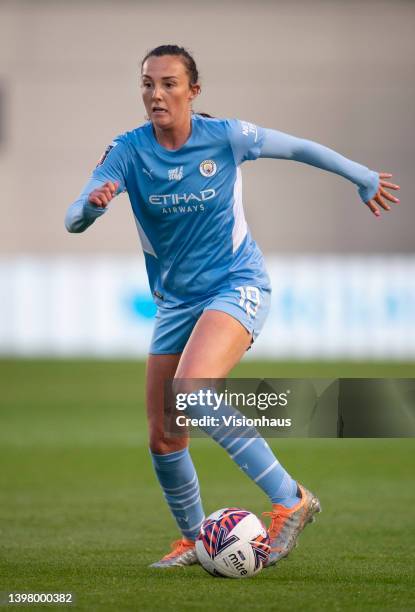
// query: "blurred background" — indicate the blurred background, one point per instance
point(80, 507)
point(340, 73)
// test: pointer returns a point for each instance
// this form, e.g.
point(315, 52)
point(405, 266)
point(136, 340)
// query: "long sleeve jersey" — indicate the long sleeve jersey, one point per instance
point(187, 202)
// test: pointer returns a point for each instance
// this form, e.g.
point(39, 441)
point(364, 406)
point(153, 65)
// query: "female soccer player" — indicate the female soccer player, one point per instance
point(207, 275)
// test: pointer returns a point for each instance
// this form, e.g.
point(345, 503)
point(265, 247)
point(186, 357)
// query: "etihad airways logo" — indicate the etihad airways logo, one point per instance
point(171, 199)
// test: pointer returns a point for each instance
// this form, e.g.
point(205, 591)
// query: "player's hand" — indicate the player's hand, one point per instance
point(103, 195)
point(382, 195)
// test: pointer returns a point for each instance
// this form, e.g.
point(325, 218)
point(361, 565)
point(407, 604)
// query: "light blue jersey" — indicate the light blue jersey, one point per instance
point(187, 203)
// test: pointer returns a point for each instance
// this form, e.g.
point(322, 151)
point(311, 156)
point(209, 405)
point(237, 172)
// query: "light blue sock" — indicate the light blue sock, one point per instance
point(178, 479)
point(252, 454)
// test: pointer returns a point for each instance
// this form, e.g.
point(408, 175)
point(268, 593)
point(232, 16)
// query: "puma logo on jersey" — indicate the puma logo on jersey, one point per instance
point(148, 173)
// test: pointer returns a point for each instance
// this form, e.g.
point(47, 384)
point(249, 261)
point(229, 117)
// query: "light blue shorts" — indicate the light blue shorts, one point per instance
point(246, 303)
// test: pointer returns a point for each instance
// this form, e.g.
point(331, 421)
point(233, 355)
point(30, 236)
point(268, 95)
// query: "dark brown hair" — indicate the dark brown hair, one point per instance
point(187, 59)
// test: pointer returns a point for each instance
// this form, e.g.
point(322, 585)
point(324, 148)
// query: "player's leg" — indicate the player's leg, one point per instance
point(217, 343)
point(170, 455)
point(173, 464)
point(160, 368)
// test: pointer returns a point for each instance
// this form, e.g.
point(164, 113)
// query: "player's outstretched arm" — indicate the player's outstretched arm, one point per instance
point(92, 203)
point(371, 185)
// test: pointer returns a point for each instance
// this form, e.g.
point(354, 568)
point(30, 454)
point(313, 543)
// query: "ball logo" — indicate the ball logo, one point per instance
point(233, 543)
point(208, 167)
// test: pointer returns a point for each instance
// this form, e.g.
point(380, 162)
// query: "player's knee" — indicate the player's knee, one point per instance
point(161, 445)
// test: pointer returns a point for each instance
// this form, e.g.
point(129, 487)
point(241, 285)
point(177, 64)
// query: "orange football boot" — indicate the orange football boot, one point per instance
point(183, 552)
point(287, 524)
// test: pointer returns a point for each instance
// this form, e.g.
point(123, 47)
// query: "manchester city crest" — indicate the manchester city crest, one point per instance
point(208, 167)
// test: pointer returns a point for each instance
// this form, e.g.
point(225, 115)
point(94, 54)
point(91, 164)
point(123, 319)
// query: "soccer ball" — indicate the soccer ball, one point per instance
point(232, 543)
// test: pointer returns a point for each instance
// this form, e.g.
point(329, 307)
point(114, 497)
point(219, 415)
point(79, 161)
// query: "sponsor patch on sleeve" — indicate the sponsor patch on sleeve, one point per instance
point(105, 153)
point(249, 128)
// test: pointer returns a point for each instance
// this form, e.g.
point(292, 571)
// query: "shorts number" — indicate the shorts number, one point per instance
point(250, 299)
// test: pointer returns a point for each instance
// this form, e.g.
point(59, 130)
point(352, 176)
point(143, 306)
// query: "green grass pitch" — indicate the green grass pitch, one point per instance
point(81, 509)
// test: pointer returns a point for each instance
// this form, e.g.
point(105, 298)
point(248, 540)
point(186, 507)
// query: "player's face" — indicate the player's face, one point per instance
point(167, 93)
